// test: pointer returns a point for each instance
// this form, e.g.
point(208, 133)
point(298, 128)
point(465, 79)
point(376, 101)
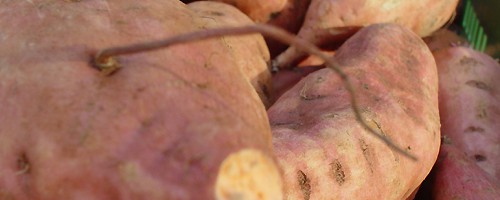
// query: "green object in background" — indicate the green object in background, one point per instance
point(484, 17)
point(473, 30)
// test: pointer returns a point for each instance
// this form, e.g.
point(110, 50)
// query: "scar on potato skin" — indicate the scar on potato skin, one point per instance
point(23, 164)
point(290, 125)
point(468, 61)
point(480, 158)
point(481, 113)
point(215, 13)
point(472, 129)
point(366, 154)
point(446, 140)
point(478, 84)
point(307, 97)
point(305, 184)
point(337, 172)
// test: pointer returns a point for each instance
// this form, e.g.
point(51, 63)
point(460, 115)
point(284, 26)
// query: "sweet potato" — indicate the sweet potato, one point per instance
point(324, 19)
point(289, 18)
point(469, 103)
point(179, 123)
point(258, 10)
point(326, 154)
point(250, 52)
point(458, 177)
point(443, 39)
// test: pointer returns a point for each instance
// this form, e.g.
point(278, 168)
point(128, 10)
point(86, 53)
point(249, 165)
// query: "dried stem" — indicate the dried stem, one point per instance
point(105, 57)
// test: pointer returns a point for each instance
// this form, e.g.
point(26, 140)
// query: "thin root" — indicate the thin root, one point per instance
point(267, 30)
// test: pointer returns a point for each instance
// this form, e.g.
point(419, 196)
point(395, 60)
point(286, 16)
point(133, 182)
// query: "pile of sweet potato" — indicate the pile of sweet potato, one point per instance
point(169, 99)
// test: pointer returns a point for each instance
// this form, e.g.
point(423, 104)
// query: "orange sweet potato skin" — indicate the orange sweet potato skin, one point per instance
point(258, 10)
point(158, 128)
point(323, 16)
point(326, 154)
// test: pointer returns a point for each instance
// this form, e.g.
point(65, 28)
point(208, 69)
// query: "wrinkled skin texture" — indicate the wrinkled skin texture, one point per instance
point(469, 103)
point(249, 51)
point(423, 17)
point(157, 129)
point(326, 154)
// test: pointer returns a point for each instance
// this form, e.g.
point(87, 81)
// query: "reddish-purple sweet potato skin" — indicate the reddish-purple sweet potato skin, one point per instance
point(469, 104)
point(458, 177)
point(157, 129)
point(326, 154)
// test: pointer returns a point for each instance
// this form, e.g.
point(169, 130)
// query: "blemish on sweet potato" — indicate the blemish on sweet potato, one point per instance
point(331, 115)
point(366, 154)
point(482, 113)
point(274, 15)
point(23, 164)
point(468, 61)
point(202, 85)
point(215, 13)
point(337, 172)
point(365, 86)
point(471, 129)
point(305, 184)
point(478, 84)
point(479, 157)
point(379, 127)
point(290, 125)
point(446, 140)
point(309, 97)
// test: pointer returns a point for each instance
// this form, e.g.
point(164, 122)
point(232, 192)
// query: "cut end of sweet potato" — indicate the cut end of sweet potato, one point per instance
point(248, 174)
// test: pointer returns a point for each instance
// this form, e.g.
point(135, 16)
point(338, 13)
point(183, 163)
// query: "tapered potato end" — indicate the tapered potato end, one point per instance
point(248, 174)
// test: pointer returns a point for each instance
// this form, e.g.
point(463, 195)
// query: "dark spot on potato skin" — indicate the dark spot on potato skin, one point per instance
point(305, 184)
point(274, 15)
point(478, 84)
point(312, 97)
point(482, 113)
point(472, 129)
point(337, 172)
point(215, 13)
point(290, 125)
point(446, 140)
point(468, 61)
point(480, 158)
point(23, 164)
